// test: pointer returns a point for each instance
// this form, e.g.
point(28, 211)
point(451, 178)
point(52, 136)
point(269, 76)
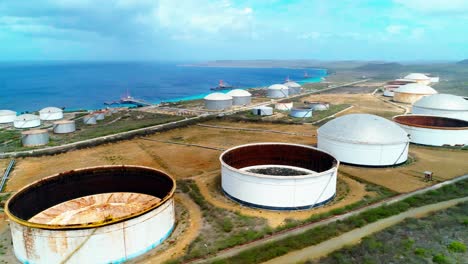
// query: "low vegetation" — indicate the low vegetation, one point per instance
point(314, 236)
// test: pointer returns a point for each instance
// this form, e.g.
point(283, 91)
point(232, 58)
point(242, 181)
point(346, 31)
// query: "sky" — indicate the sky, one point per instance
point(197, 30)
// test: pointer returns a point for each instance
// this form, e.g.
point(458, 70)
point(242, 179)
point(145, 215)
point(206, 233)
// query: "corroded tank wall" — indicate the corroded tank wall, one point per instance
point(38, 137)
point(456, 114)
point(113, 240)
point(434, 130)
point(407, 98)
point(276, 192)
point(64, 127)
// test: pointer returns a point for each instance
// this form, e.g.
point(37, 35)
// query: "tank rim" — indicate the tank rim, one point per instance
point(410, 124)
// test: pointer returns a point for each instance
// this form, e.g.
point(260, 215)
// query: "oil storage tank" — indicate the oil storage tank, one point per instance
point(100, 115)
point(301, 112)
point(51, 113)
point(284, 105)
point(7, 116)
point(106, 214)
point(218, 101)
point(445, 105)
point(277, 91)
point(434, 130)
point(419, 78)
point(26, 121)
point(64, 126)
point(240, 97)
point(364, 139)
point(89, 119)
point(410, 93)
point(294, 87)
point(262, 111)
point(278, 176)
point(35, 137)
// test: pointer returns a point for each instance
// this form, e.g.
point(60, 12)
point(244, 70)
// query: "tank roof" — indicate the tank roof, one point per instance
point(239, 93)
point(278, 87)
point(218, 96)
point(61, 122)
point(26, 117)
point(443, 102)
point(50, 109)
point(364, 129)
point(416, 88)
point(34, 131)
point(292, 84)
point(417, 76)
point(7, 112)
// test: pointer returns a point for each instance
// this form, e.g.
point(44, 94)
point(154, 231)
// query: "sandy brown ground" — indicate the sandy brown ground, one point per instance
point(178, 160)
point(210, 188)
point(363, 103)
point(444, 163)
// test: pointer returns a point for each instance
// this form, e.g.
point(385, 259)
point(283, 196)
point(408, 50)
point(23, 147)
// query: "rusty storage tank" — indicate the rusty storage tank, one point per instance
point(240, 97)
point(51, 113)
point(277, 91)
point(284, 105)
point(294, 87)
point(26, 121)
point(301, 112)
point(64, 127)
point(364, 139)
point(100, 115)
point(35, 137)
point(7, 116)
point(89, 119)
point(278, 176)
point(445, 105)
point(410, 93)
point(262, 111)
point(434, 130)
point(106, 214)
point(218, 101)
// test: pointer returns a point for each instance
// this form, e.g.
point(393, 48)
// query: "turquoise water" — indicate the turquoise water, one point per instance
point(86, 85)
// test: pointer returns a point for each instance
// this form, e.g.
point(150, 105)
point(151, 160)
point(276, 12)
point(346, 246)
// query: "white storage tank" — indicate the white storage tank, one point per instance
point(278, 176)
point(64, 127)
point(240, 97)
point(446, 105)
point(284, 106)
point(262, 111)
point(412, 92)
point(301, 112)
point(364, 139)
point(27, 121)
point(89, 119)
point(294, 87)
point(35, 137)
point(389, 90)
point(51, 113)
point(7, 116)
point(107, 214)
point(277, 91)
point(218, 101)
point(419, 78)
point(100, 115)
point(319, 106)
point(434, 130)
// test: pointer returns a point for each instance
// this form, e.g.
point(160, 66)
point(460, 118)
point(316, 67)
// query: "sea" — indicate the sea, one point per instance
point(29, 87)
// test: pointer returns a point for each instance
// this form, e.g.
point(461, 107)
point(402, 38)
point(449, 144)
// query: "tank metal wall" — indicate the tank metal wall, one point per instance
point(218, 104)
point(263, 111)
point(274, 93)
point(51, 116)
point(301, 113)
point(7, 118)
point(65, 128)
point(37, 139)
point(89, 120)
point(407, 98)
point(114, 243)
point(294, 90)
point(279, 192)
point(463, 115)
point(436, 137)
point(284, 106)
point(100, 115)
point(27, 123)
point(364, 154)
point(241, 100)
point(388, 93)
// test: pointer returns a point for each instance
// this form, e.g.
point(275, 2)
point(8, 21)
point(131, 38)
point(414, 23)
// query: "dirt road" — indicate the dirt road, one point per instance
point(355, 236)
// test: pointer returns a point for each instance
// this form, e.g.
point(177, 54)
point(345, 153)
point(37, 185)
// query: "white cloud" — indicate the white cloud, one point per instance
point(436, 6)
point(395, 29)
point(417, 33)
point(310, 35)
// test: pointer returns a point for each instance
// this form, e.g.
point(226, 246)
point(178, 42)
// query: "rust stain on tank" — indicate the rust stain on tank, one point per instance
point(434, 122)
point(28, 238)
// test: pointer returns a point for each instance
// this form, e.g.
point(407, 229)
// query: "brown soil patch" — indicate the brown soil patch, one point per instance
point(210, 189)
point(444, 163)
point(178, 160)
point(363, 103)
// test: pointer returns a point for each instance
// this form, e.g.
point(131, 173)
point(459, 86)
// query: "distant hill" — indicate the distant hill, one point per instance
point(380, 66)
point(464, 62)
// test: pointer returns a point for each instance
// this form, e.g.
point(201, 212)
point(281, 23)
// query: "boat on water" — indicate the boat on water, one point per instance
point(222, 86)
point(306, 75)
point(128, 99)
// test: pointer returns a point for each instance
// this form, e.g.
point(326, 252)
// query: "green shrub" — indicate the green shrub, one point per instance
point(441, 259)
point(420, 252)
point(227, 225)
point(457, 247)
